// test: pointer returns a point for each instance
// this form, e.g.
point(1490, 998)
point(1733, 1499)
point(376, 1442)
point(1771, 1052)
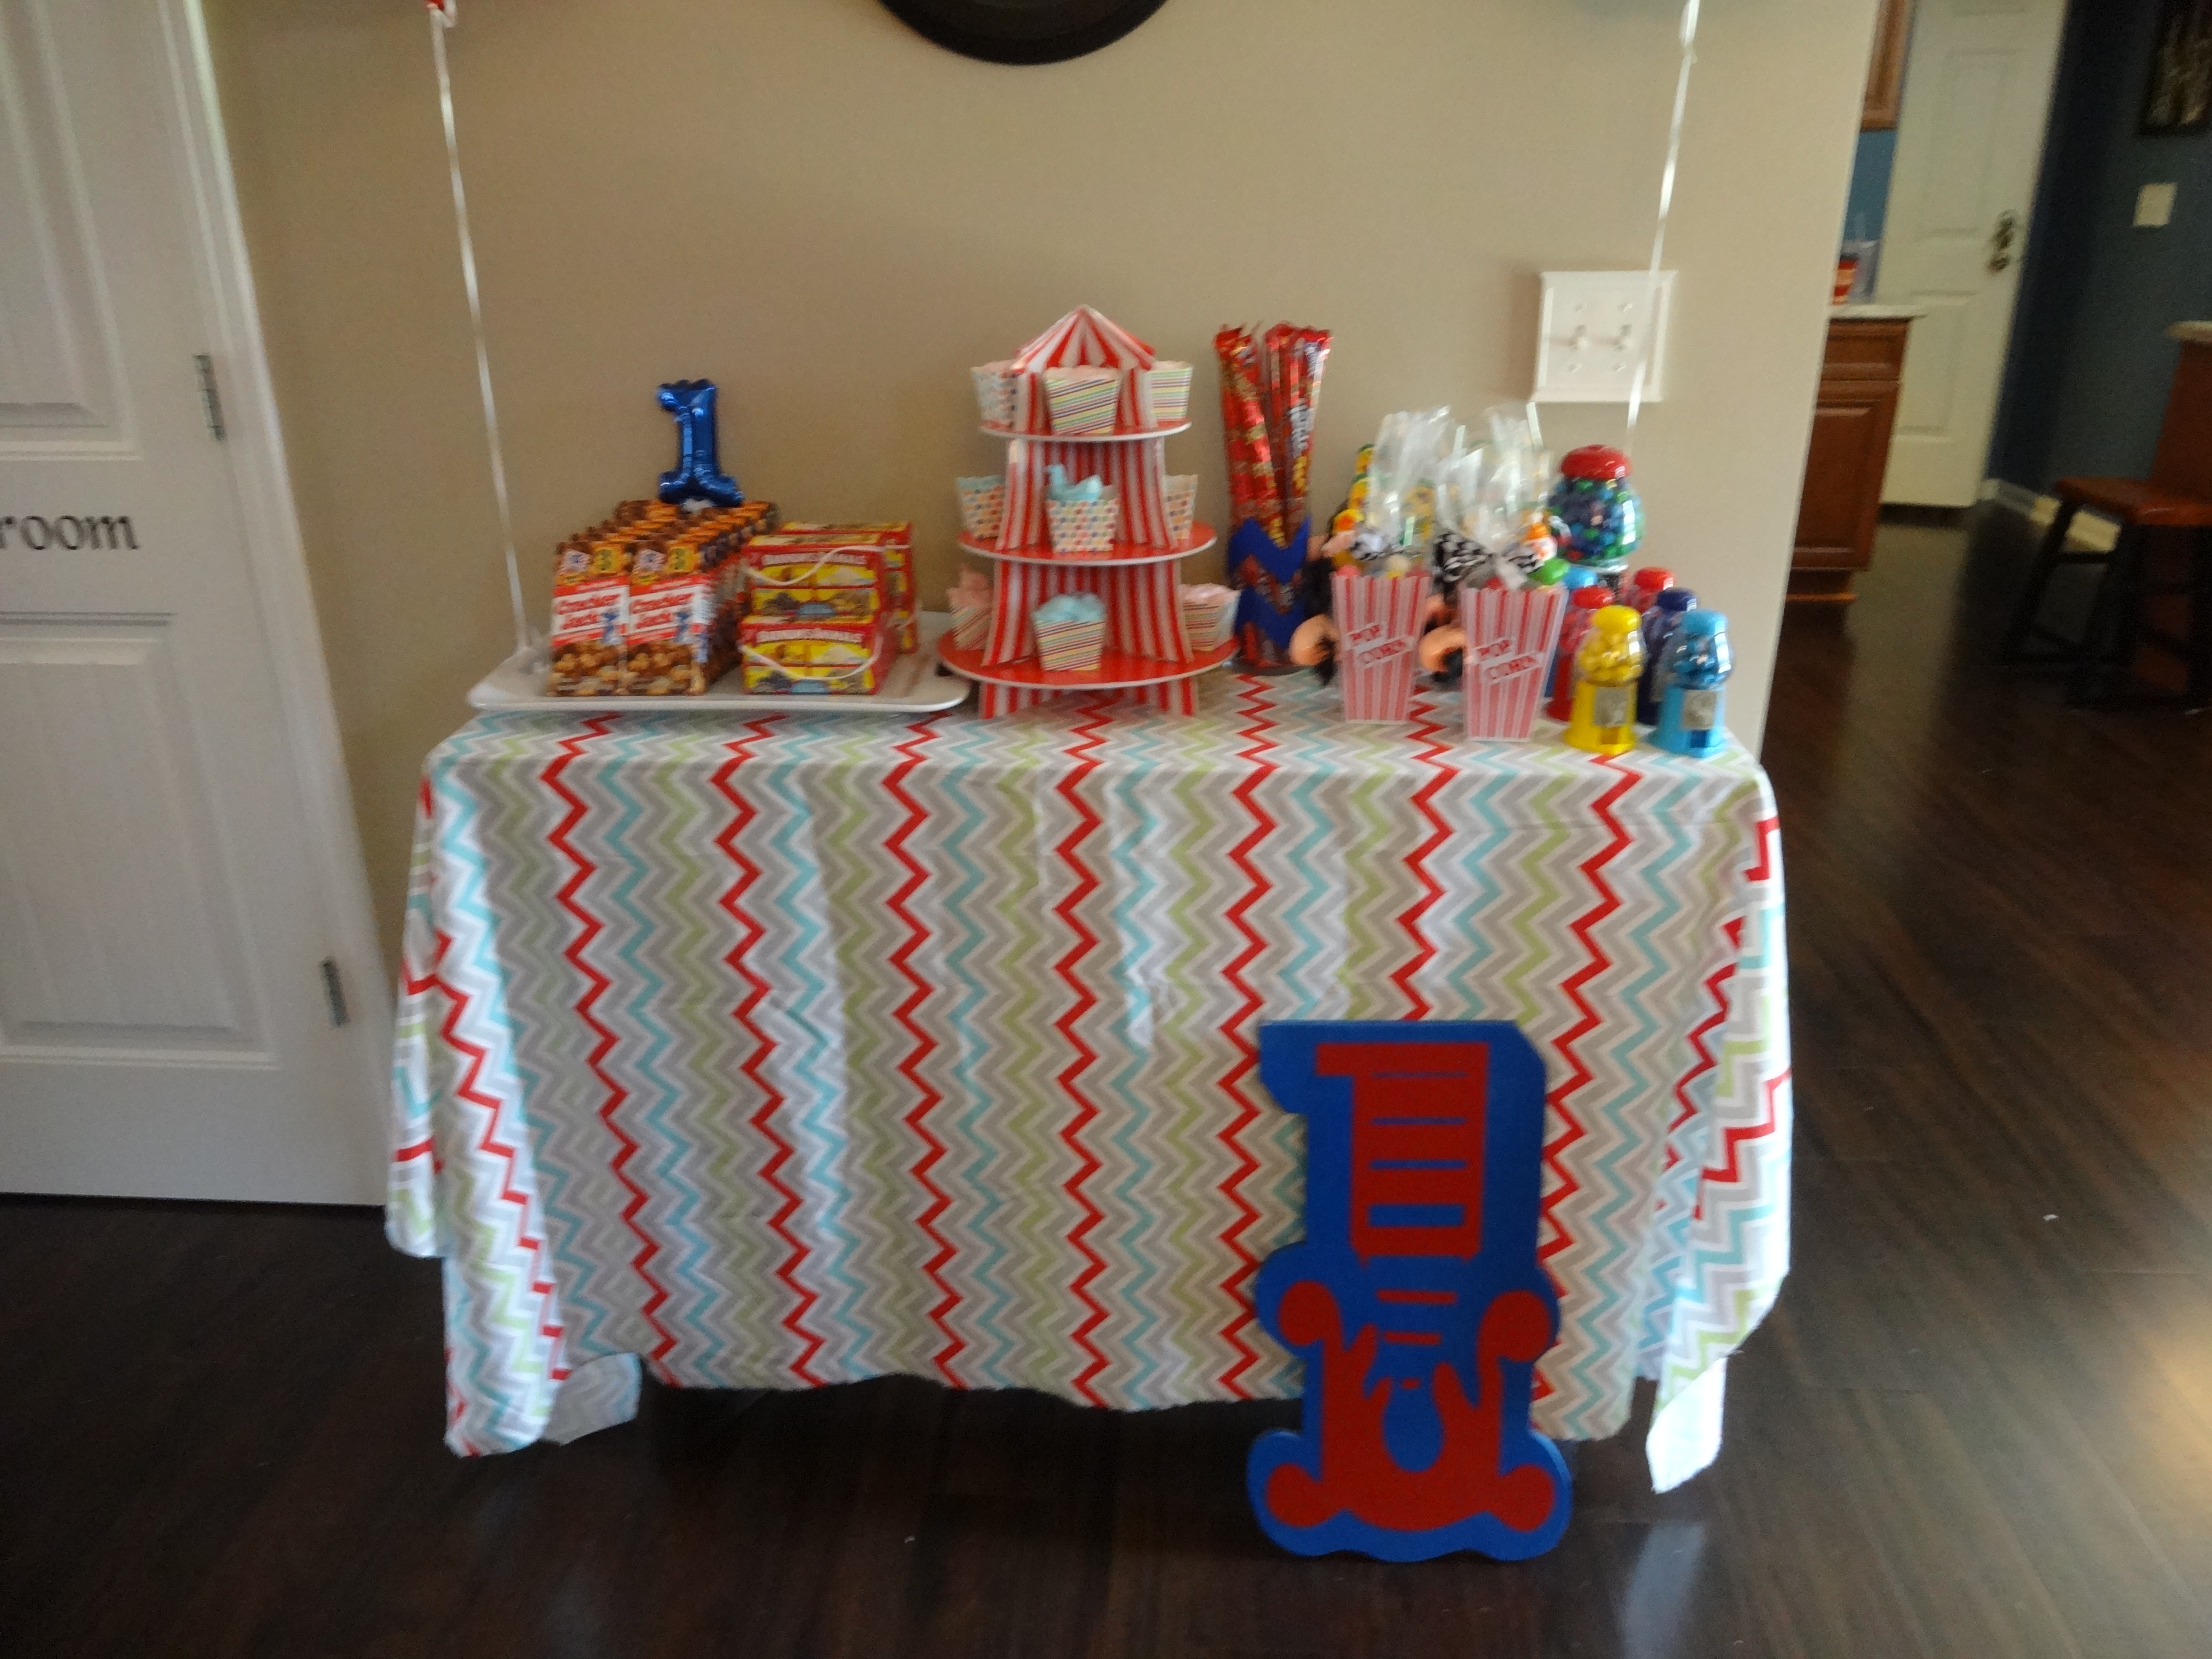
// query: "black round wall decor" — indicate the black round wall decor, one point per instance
point(1023, 31)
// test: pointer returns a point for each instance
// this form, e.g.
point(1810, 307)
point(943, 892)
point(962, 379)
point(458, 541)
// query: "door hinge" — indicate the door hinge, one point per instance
point(334, 991)
point(211, 401)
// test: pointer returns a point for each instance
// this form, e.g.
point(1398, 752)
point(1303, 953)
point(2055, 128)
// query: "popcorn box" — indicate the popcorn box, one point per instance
point(1181, 505)
point(1083, 527)
point(1209, 613)
point(1510, 636)
point(1164, 394)
point(591, 617)
point(786, 656)
point(1378, 620)
point(971, 626)
point(1083, 401)
point(814, 577)
point(982, 508)
point(1069, 647)
point(894, 538)
point(994, 393)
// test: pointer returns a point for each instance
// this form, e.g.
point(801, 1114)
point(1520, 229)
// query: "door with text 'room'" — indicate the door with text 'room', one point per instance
point(172, 982)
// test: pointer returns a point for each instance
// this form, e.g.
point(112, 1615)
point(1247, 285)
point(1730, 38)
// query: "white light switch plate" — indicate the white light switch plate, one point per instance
point(1596, 326)
point(2153, 207)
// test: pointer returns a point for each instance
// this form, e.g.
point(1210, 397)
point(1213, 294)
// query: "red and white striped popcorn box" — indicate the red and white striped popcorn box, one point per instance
point(1378, 622)
point(1510, 636)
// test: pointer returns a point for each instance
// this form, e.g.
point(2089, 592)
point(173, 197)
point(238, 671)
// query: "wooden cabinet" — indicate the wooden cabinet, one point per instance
point(1851, 423)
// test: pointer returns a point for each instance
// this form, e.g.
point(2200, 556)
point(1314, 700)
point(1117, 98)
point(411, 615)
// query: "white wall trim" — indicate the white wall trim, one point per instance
point(2091, 530)
point(277, 556)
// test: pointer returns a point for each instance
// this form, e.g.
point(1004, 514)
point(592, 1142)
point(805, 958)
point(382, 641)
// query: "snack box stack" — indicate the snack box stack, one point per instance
point(896, 542)
point(646, 602)
point(685, 599)
point(820, 619)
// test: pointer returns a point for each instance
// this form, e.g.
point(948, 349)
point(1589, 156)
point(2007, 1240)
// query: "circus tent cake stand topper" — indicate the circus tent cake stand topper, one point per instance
point(1064, 427)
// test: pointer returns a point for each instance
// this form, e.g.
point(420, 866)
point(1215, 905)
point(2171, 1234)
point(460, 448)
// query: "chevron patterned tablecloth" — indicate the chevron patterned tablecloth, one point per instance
point(808, 1048)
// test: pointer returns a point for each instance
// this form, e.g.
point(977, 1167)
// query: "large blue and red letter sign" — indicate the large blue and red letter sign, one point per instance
point(1415, 1299)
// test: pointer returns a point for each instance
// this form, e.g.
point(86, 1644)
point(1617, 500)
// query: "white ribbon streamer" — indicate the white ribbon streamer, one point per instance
point(441, 18)
point(1659, 231)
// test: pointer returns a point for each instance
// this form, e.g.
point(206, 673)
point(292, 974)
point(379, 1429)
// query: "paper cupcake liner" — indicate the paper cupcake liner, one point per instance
point(983, 511)
point(1378, 620)
point(1083, 527)
point(1070, 648)
point(1083, 401)
point(1509, 637)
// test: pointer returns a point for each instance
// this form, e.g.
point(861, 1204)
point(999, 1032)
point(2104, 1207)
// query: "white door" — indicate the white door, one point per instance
point(1969, 142)
point(171, 882)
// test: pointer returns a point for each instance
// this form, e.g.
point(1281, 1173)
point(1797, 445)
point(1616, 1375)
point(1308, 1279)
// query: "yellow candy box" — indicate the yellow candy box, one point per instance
point(800, 657)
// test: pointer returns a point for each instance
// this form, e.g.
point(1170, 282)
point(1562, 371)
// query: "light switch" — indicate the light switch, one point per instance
point(1596, 326)
point(2153, 207)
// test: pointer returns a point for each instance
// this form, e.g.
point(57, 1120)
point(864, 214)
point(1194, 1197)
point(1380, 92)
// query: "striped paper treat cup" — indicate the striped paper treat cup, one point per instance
point(1510, 636)
point(1182, 506)
point(1083, 401)
point(971, 626)
point(994, 393)
point(1379, 621)
point(1209, 621)
point(1070, 648)
point(984, 510)
point(1084, 528)
point(1164, 394)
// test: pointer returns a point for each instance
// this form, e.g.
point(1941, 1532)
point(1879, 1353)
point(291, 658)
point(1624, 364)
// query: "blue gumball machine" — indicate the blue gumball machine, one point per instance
point(1691, 709)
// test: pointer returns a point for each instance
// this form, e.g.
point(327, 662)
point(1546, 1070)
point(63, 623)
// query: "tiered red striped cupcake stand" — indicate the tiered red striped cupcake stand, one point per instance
point(1148, 656)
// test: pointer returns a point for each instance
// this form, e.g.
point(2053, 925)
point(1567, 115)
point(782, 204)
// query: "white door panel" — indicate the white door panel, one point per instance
point(1969, 140)
point(164, 914)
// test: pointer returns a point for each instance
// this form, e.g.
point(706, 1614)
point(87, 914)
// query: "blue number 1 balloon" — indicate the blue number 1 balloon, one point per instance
point(698, 475)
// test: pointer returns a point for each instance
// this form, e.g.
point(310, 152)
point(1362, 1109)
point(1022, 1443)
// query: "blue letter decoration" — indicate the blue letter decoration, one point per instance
point(1416, 1299)
point(698, 475)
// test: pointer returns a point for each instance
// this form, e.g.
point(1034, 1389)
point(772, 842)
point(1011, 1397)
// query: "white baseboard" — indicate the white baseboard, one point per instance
point(2092, 531)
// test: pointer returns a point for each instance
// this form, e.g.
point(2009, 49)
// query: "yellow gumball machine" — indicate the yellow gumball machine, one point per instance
point(1607, 668)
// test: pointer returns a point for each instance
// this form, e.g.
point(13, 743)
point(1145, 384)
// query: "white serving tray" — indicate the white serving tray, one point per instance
point(914, 686)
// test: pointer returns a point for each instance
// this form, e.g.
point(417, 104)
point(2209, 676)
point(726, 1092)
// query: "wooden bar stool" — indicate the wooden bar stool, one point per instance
point(2177, 496)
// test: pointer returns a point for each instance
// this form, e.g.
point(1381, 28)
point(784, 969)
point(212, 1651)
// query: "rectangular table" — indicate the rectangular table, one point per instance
point(810, 1049)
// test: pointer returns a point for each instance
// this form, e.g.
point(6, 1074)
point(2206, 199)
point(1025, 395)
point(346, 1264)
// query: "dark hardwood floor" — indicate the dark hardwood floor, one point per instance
point(1980, 1422)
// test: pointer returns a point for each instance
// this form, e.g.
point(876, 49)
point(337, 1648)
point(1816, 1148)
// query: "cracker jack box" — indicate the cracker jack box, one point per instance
point(895, 538)
point(591, 617)
point(815, 577)
point(676, 594)
point(806, 658)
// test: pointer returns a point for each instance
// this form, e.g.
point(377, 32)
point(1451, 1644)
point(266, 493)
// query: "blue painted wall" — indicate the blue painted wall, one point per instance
point(2086, 379)
point(1869, 199)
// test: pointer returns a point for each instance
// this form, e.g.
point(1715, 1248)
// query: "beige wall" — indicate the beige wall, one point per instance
point(834, 218)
